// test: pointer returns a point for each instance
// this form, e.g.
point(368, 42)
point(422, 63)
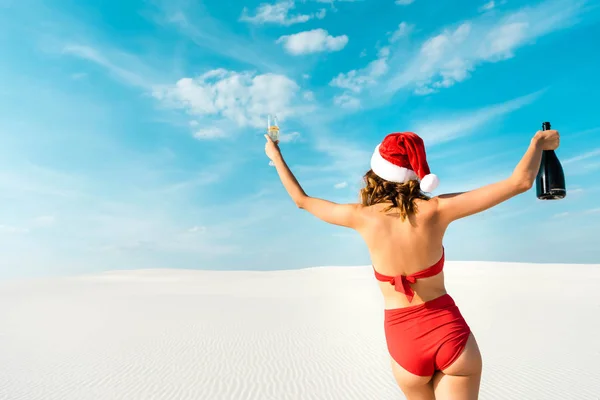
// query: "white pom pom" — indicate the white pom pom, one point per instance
point(429, 183)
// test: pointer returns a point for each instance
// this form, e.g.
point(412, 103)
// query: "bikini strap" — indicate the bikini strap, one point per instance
point(402, 283)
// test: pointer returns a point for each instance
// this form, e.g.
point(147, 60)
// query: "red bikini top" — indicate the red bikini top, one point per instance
point(402, 282)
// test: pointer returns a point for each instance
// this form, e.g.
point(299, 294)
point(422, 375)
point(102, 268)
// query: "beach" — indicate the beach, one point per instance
point(314, 333)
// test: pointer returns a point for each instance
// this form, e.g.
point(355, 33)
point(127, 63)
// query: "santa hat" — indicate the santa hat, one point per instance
point(400, 157)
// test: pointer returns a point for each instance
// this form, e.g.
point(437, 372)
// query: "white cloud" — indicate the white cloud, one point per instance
point(209, 133)
point(242, 98)
point(356, 80)
point(197, 229)
point(422, 91)
point(341, 185)
point(308, 95)
point(346, 101)
point(452, 55)
point(289, 137)
point(227, 96)
point(279, 13)
point(488, 6)
point(403, 30)
point(581, 157)
point(314, 41)
point(440, 62)
point(404, 2)
point(444, 129)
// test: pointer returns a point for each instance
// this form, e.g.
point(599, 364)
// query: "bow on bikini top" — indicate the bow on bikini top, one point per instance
point(402, 282)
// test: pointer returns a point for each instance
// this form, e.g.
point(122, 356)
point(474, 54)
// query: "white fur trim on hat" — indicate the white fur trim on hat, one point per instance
point(429, 183)
point(388, 171)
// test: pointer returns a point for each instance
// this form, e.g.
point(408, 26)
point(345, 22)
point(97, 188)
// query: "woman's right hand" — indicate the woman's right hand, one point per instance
point(548, 140)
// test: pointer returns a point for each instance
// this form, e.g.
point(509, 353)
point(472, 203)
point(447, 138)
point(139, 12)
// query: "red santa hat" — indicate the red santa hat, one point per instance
point(400, 157)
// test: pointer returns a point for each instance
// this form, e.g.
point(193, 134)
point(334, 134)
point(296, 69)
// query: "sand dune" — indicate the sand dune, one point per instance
point(307, 334)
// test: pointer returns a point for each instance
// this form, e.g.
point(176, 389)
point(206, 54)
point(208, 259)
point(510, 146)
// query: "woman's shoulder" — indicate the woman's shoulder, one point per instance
point(431, 204)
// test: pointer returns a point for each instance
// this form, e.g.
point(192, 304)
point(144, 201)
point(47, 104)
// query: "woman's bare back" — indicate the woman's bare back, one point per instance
point(404, 247)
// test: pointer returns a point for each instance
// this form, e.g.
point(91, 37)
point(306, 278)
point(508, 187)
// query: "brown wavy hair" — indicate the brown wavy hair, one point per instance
point(402, 196)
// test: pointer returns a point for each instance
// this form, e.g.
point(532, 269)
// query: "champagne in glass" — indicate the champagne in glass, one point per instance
point(550, 181)
point(273, 127)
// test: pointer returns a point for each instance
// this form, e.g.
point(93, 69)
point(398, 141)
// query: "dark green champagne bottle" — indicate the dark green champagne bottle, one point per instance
point(550, 181)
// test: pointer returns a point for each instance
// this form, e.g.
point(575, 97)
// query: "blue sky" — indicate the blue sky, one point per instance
point(132, 130)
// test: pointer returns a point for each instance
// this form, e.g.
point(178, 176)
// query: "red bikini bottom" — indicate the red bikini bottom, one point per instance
point(426, 337)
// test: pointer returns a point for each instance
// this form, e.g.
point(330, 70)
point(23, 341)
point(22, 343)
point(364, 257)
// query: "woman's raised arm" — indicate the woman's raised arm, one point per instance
point(347, 215)
point(459, 205)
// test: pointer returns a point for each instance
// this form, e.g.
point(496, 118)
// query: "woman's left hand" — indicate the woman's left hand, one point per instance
point(272, 148)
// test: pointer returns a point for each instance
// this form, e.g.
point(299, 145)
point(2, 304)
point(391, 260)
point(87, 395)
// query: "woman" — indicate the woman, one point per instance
point(433, 353)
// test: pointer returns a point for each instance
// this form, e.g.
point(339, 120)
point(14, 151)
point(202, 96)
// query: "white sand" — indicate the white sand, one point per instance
point(308, 334)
